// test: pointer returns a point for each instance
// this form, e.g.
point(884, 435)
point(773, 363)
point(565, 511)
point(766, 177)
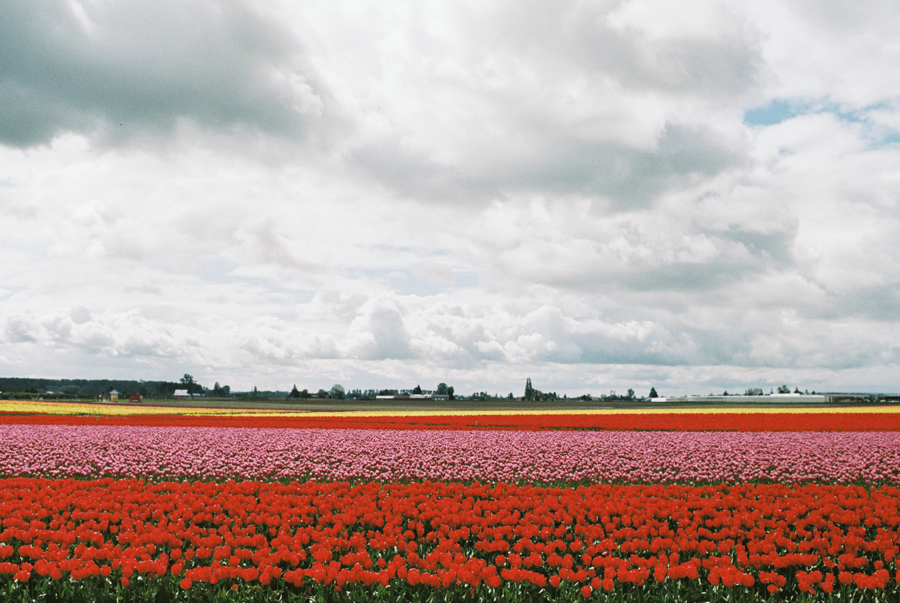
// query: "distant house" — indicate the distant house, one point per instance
point(113, 396)
point(181, 393)
point(407, 396)
point(135, 399)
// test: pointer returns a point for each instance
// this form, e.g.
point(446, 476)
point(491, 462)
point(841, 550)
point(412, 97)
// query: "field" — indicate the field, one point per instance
point(160, 503)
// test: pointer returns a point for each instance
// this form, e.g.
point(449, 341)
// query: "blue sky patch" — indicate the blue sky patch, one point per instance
point(777, 111)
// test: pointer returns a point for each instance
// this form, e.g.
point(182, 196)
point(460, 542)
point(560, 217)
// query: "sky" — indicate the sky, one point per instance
point(598, 195)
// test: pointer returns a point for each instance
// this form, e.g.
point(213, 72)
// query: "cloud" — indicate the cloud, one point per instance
point(844, 53)
point(119, 71)
point(21, 330)
point(598, 195)
point(525, 98)
point(379, 332)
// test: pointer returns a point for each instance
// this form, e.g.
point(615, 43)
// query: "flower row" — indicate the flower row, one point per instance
point(60, 451)
point(801, 420)
point(765, 538)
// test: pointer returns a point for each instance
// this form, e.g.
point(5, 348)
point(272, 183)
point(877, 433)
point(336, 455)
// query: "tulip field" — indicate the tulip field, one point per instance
point(105, 503)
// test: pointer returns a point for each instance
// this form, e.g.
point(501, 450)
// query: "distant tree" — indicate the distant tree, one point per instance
point(725, 393)
point(796, 390)
point(653, 393)
point(337, 391)
point(450, 393)
point(417, 389)
point(322, 394)
point(295, 393)
point(753, 391)
point(630, 394)
point(441, 389)
point(784, 389)
point(385, 392)
point(191, 386)
point(529, 390)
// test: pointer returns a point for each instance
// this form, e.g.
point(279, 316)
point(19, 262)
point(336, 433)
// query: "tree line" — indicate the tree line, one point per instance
point(91, 389)
point(85, 388)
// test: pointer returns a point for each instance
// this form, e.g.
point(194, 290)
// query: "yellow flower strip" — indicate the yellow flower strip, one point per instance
point(81, 408)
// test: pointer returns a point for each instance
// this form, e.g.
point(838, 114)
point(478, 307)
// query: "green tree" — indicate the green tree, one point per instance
point(441, 389)
point(337, 391)
point(191, 385)
point(295, 393)
point(529, 390)
point(653, 393)
point(450, 393)
point(417, 390)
